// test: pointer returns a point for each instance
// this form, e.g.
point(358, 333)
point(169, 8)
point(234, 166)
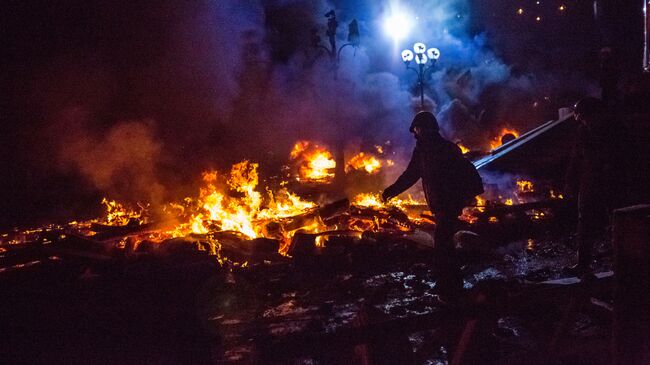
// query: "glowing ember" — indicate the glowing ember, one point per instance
point(480, 203)
point(468, 216)
point(365, 162)
point(525, 186)
point(537, 214)
point(119, 215)
point(411, 207)
point(315, 163)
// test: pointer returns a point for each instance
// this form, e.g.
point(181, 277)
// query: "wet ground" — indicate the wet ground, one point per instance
point(345, 303)
point(374, 300)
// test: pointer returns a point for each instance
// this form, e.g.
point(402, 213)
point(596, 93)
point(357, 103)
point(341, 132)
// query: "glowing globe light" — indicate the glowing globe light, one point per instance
point(422, 56)
point(419, 48)
point(407, 55)
point(397, 26)
point(433, 53)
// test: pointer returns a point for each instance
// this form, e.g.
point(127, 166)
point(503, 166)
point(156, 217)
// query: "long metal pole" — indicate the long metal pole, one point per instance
point(421, 82)
point(646, 37)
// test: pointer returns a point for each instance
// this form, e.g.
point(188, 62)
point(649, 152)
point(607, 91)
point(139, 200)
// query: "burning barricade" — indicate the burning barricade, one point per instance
point(234, 218)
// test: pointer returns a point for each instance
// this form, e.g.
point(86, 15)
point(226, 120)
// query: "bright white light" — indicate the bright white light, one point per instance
point(433, 53)
point(398, 25)
point(419, 48)
point(407, 55)
point(421, 59)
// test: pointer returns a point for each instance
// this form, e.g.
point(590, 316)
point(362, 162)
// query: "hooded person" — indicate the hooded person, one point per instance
point(449, 181)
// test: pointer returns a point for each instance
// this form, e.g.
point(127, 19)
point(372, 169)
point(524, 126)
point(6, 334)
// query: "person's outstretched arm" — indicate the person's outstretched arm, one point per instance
point(409, 177)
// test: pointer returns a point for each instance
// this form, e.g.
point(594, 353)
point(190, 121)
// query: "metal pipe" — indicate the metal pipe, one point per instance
point(646, 37)
point(421, 81)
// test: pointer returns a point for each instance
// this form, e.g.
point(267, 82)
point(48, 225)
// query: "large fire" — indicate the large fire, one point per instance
point(234, 203)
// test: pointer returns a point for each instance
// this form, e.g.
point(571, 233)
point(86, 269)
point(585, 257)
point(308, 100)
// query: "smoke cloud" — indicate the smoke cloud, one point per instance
point(121, 161)
point(183, 87)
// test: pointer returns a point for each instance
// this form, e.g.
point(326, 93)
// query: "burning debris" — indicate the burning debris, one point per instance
point(314, 163)
point(369, 162)
point(366, 162)
point(232, 207)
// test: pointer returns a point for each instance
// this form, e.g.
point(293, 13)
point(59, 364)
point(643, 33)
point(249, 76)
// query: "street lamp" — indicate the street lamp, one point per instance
point(332, 24)
point(334, 54)
point(425, 58)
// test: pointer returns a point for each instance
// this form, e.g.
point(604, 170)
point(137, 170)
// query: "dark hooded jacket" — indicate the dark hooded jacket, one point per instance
point(449, 181)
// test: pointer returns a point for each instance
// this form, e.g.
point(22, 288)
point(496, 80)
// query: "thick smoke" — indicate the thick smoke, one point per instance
point(120, 161)
point(205, 85)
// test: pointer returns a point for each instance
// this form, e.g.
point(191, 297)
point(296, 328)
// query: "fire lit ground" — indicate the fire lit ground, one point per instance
point(263, 274)
point(241, 156)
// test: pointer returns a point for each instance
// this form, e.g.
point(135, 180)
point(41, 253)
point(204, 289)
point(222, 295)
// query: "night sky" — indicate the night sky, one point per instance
point(152, 93)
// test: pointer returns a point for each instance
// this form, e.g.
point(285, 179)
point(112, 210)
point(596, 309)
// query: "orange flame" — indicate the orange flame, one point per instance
point(119, 215)
point(525, 186)
point(463, 149)
point(368, 200)
point(233, 201)
point(236, 205)
point(315, 163)
point(244, 212)
point(366, 162)
point(496, 142)
point(375, 201)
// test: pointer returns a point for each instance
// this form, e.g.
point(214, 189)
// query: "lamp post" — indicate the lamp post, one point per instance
point(332, 25)
point(334, 54)
point(425, 58)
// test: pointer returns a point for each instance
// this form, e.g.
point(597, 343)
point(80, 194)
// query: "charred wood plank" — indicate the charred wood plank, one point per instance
point(106, 232)
point(61, 251)
point(334, 208)
point(497, 210)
